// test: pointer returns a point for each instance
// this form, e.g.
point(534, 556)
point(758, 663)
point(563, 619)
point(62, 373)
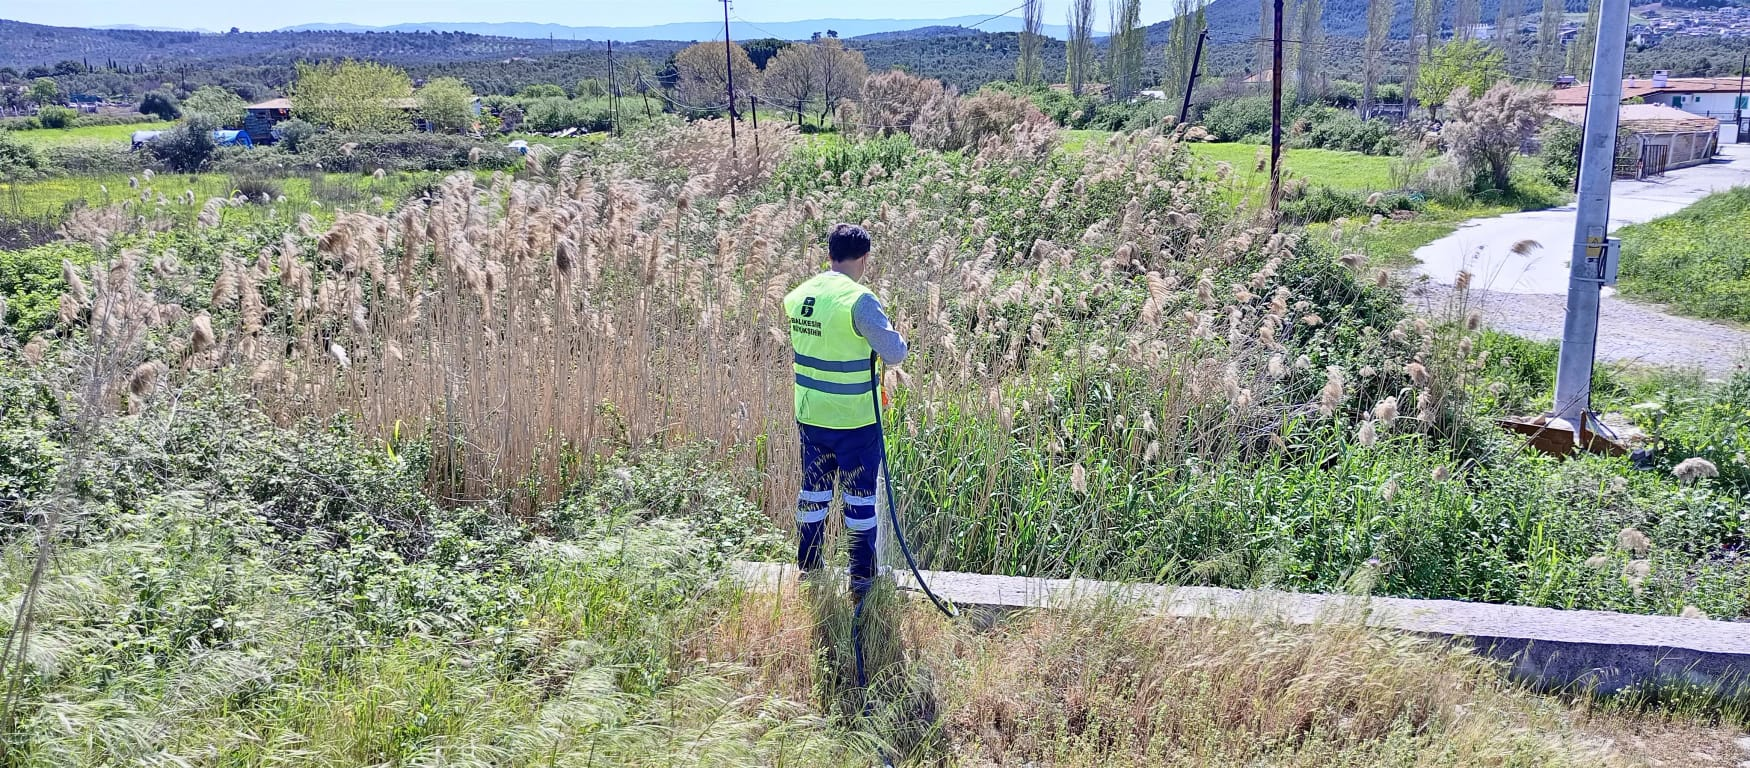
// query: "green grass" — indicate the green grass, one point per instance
point(1696, 260)
point(51, 198)
point(1350, 171)
point(46, 137)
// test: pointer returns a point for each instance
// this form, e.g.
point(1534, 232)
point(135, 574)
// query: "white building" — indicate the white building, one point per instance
point(1726, 99)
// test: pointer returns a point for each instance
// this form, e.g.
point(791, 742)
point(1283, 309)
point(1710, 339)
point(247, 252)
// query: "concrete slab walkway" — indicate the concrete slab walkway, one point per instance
point(1526, 295)
point(1548, 648)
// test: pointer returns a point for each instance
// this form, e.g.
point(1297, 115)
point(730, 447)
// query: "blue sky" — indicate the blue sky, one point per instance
point(224, 14)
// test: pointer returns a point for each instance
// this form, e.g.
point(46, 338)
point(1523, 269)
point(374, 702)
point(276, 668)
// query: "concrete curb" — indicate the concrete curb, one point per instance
point(1548, 648)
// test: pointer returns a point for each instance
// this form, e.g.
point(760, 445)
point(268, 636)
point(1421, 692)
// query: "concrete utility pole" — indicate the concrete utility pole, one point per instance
point(1593, 264)
point(1276, 118)
point(1191, 80)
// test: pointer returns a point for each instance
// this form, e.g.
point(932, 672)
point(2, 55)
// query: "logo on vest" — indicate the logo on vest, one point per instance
point(808, 307)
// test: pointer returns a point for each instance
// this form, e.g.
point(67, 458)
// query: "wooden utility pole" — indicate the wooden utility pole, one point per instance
point(729, 72)
point(1276, 116)
point(1191, 80)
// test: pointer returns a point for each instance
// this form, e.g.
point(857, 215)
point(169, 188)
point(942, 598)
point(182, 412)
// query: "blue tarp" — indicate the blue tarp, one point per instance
point(222, 138)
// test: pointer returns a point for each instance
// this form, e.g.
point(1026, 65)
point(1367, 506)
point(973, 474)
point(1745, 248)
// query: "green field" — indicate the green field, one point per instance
point(1695, 260)
point(50, 198)
point(49, 137)
point(1342, 170)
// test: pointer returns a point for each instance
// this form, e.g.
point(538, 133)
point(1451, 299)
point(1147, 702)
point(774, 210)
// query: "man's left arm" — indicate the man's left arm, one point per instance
point(872, 323)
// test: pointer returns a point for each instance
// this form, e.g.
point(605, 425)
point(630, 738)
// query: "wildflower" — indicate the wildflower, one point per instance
point(1418, 374)
point(1367, 372)
point(1331, 396)
point(1637, 569)
point(1078, 479)
point(1386, 410)
point(1598, 562)
point(1367, 436)
point(1692, 612)
point(1473, 320)
point(1312, 320)
point(1695, 468)
point(1441, 475)
point(1389, 491)
point(1633, 541)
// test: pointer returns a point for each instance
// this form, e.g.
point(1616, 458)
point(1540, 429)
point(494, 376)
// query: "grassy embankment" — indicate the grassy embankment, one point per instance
point(1697, 261)
point(1135, 380)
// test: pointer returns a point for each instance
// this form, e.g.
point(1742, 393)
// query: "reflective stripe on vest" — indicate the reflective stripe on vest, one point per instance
point(832, 363)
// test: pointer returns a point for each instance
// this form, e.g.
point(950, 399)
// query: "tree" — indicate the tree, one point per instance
point(1466, 15)
point(161, 104)
point(447, 103)
point(541, 91)
point(1424, 30)
point(1309, 51)
point(838, 73)
point(637, 75)
point(1470, 64)
point(352, 96)
point(56, 116)
point(223, 107)
point(1483, 133)
point(762, 51)
point(789, 80)
point(44, 92)
point(1125, 54)
point(1507, 20)
point(704, 78)
point(1549, 41)
point(1379, 18)
point(1080, 50)
point(1182, 42)
point(1027, 69)
point(591, 88)
point(187, 147)
point(1580, 53)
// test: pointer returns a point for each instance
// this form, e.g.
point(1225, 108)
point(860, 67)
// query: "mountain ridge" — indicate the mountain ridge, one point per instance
point(691, 30)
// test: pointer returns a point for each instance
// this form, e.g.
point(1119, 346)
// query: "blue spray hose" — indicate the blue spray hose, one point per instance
point(946, 608)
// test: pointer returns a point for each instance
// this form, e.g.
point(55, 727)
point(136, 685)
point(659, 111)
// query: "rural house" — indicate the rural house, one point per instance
point(1664, 138)
point(1721, 98)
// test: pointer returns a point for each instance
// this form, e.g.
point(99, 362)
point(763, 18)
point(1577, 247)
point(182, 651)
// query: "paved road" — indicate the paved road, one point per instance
point(1483, 246)
point(1526, 294)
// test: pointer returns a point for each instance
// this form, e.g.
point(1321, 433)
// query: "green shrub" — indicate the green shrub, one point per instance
point(410, 151)
point(56, 117)
point(557, 114)
point(161, 105)
point(1241, 119)
point(1560, 153)
point(32, 283)
point(269, 161)
point(18, 161)
point(1341, 129)
point(256, 188)
point(294, 133)
point(186, 148)
point(92, 158)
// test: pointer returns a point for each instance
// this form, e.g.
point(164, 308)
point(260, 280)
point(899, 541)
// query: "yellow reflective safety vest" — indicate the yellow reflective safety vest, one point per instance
point(833, 363)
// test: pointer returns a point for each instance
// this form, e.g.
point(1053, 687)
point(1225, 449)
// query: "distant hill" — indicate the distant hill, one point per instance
point(698, 30)
point(24, 45)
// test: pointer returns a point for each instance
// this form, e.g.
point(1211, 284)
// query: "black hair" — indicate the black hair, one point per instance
point(846, 242)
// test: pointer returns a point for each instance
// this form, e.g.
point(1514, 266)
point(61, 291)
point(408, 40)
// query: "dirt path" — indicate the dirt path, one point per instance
point(1526, 293)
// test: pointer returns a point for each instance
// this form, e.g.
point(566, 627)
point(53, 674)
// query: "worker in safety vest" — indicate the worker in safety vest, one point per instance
point(836, 328)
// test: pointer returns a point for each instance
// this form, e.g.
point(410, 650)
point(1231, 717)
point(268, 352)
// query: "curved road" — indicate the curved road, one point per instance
point(1525, 294)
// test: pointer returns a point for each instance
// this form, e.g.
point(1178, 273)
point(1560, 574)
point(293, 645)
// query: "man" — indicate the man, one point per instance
point(837, 326)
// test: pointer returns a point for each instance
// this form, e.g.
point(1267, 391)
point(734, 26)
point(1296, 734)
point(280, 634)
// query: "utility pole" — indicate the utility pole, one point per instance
point(1593, 264)
point(729, 72)
point(1738, 106)
point(1276, 117)
point(613, 91)
point(1191, 81)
